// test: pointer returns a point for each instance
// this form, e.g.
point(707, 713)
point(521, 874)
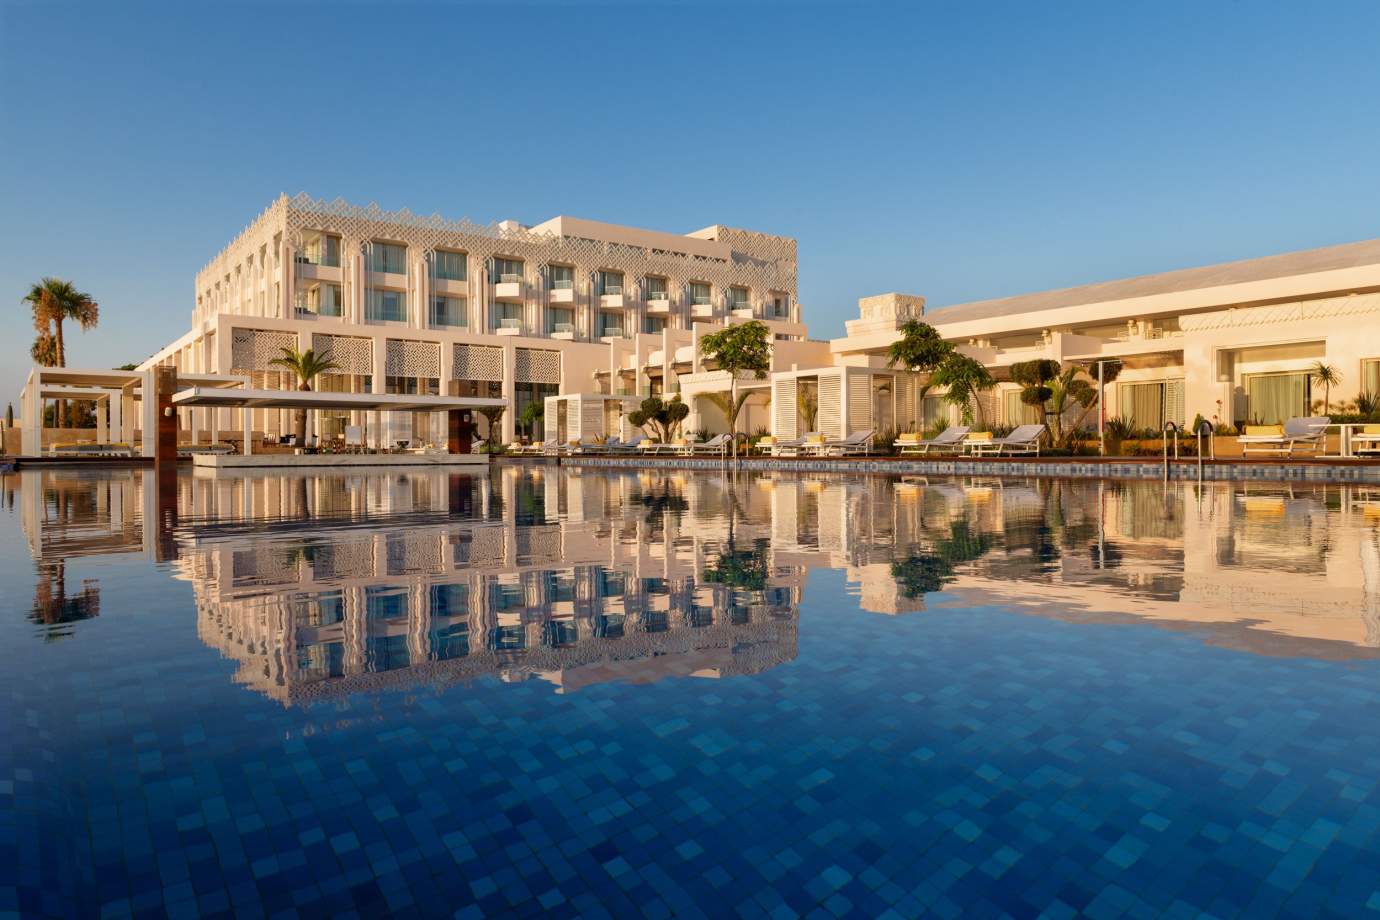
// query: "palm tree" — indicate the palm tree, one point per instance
point(307, 365)
point(1327, 375)
point(54, 301)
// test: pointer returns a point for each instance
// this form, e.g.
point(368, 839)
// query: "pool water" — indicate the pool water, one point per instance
point(546, 691)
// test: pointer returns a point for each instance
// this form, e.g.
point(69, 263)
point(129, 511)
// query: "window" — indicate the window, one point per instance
point(608, 282)
point(321, 299)
point(932, 409)
point(506, 271)
point(507, 316)
point(450, 266)
point(562, 278)
point(1018, 413)
point(656, 289)
point(488, 389)
point(1370, 376)
point(412, 386)
point(388, 257)
point(699, 293)
point(780, 306)
point(385, 306)
point(1275, 398)
point(560, 319)
point(448, 311)
point(321, 249)
point(610, 324)
point(738, 298)
point(1150, 405)
point(652, 325)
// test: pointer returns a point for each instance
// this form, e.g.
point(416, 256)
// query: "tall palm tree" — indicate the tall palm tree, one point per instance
point(1327, 375)
point(307, 365)
point(54, 301)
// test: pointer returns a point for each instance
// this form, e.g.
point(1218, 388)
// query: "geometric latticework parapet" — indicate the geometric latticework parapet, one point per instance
point(536, 365)
point(407, 358)
point(477, 362)
point(759, 260)
point(351, 353)
point(255, 349)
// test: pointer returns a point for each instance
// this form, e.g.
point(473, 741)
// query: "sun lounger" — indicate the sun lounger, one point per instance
point(789, 447)
point(715, 445)
point(1367, 440)
point(1302, 433)
point(859, 442)
point(1024, 440)
point(630, 446)
point(950, 440)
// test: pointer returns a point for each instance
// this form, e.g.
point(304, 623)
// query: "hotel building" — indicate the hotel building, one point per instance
point(423, 305)
point(1231, 342)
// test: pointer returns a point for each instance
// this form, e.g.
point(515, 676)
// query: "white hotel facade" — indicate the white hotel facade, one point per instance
point(422, 305)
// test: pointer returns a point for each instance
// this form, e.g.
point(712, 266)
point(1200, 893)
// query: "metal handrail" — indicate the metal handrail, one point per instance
point(1168, 427)
point(1205, 427)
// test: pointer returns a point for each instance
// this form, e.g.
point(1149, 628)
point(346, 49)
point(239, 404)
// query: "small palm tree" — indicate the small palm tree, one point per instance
point(307, 365)
point(1328, 376)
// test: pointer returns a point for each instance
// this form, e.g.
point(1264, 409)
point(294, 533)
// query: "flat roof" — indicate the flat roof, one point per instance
point(316, 399)
point(1304, 262)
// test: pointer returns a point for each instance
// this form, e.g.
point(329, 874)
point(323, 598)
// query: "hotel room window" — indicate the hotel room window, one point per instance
point(320, 249)
point(738, 298)
point(448, 311)
point(562, 278)
point(506, 271)
point(388, 257)
point(608, 282)
point(449, 266)
point(699, 293)
point(386, 306)
point(652, 325)
point(560, 319)
point(1370, 376)
point(656, 289)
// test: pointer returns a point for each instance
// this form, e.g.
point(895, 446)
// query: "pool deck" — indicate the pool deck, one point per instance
point(1309, 469)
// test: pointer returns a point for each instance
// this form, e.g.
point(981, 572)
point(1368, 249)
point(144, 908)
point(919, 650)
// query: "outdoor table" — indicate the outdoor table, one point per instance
point(1347, 429)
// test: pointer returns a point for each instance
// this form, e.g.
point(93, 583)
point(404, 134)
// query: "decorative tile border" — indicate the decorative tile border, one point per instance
point(1061, 468)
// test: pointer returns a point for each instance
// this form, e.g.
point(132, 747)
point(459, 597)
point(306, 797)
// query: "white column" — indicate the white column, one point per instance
point(247, 421)
point(102, 425)
point(149, 413)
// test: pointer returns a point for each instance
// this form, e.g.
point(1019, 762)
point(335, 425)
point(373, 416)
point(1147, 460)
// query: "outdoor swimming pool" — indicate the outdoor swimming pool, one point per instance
point(544, 691)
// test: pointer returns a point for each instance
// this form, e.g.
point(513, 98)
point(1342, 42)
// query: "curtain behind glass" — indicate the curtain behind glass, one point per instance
point(1370, 377)
point(1275, 398)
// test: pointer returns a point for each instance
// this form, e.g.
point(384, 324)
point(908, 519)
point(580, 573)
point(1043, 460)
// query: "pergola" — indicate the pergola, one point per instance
point(247, 399)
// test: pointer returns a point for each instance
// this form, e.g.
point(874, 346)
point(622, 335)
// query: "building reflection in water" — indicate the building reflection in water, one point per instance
point(321, 585)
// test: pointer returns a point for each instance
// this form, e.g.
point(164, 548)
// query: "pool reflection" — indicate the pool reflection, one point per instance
point(321, 585)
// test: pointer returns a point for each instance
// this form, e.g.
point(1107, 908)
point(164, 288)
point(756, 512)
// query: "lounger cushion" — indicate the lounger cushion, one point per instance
point(1371, 429)
point(979, 436)
point(1264, 431)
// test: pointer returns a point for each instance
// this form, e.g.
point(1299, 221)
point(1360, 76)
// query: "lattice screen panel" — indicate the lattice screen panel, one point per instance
point(406, 358)
point(477, 362)
point(354, 354)
point(254, 349)
point(537, 365)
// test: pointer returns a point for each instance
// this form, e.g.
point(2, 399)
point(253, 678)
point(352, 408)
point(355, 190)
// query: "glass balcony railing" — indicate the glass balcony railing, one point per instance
point(611, 289)
point(658, 295)
point(563, 284)
point(509, 322)
point(700, 300)
point(558, 328)
point(509, 278)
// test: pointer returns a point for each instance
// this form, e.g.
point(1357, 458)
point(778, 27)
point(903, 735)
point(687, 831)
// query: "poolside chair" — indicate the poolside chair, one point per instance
point(586, 445)
point(812, 446)
point(859, 442)
point(1303, 433)
point(715, 445)
point(950, 440)
point(1024, 440)
point(788, 447)
point(631, 446)
point(550, 447)
point(1366, 441)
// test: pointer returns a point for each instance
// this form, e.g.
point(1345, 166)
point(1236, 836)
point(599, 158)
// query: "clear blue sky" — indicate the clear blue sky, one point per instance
point(958, 151)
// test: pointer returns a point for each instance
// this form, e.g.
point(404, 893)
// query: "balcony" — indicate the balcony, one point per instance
point(702, 310)
point(658, 303)
point(740, 311)
point(609, 333)
point(565, 331)
point(562, 292)
point(508, 287)
point(509, 325)
point(611, 299)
